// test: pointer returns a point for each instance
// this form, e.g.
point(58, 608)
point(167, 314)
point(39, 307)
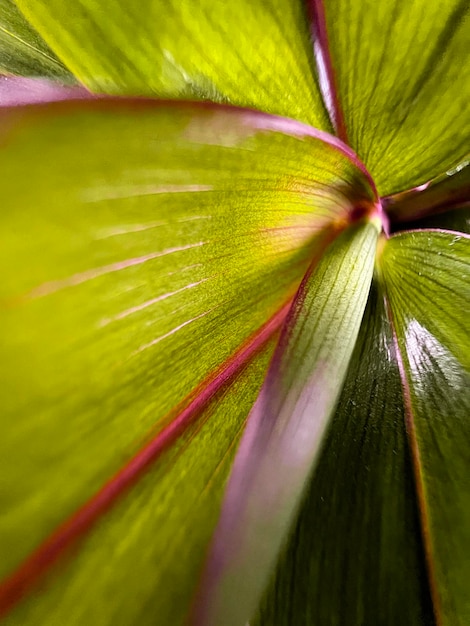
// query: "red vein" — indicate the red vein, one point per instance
point(251, 119)
point(34, 567)
point(418, 473)
point(325, 68)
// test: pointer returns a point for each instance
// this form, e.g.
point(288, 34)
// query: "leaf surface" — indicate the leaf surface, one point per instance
point(149, 242)
point(402, 72)
point(457, 219)
point(355, 555)
point(285, 429)
point(22, 51)
point(140, 564)
point(254, 54)
point(446, 192)
point(427, 279)
point(16, 90)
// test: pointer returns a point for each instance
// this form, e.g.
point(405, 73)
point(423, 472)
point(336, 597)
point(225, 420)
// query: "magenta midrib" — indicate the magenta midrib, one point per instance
point(319, 32)
point(410, 428)
point(23, 580)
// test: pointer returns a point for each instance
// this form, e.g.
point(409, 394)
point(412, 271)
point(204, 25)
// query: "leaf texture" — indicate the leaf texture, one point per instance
point(253, 54)
point(437, 196)
point(149, 243)
point(285, 429)
point(403, 78)
point(427, 278)
point(140, 564)
point(22, 51)
point(355, 555)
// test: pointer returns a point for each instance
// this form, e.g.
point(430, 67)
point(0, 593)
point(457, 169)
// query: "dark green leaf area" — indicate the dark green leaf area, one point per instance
point(355, 556)
point(141, 562)
point(445, 193)
point(22, 51)
point(427, 275)
point(457, 219)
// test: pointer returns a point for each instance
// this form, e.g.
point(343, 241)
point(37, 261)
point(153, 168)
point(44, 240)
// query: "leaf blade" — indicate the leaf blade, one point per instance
point(180, 496)
point(196, 51)
point(285, 428)
point(355, 553)
point(178, 232)
point(434, 346)
point(22, 51)
point(443, 194)
point(401, 89)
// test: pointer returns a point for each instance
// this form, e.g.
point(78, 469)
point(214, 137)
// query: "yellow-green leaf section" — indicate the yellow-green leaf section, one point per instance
point(141, 244)
point(402, 71)
point(141, 563)
point(254, 54)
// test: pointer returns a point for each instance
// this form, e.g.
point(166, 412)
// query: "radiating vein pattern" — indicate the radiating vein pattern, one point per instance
point(165, 520)
point(115, 308)
point(403, 78)
point(427, 278)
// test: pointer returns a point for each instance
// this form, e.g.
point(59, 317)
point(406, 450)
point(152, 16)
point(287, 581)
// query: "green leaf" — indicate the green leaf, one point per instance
point(457, 219)
point(22, 51)
point(402, 72)
point(445, 192)
point(140, 564)
point(355, 556)
point(427, 279)
point(254, 54)
point(286, 428)
point(147, 244)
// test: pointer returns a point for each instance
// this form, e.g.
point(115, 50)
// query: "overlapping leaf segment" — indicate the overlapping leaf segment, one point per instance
point(172, 268)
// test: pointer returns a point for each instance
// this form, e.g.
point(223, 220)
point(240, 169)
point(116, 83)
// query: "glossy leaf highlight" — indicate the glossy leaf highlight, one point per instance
point(15, 90)
point(427, 280)
point(355, 555)
point(441, 195)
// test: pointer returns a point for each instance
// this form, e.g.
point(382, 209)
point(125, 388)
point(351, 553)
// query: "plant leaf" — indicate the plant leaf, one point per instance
point(355, 556)
point(22, 51)
point(15, 90)
point(148, 243)
point(403, 77)
point(253, 54)
point(286, 428)
point(457, 219)
point(140, 564)
point(427, 278)
point(442, 194)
